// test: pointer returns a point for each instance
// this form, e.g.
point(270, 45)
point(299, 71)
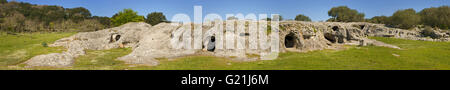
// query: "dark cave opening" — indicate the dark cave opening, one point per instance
point(289, 40)
point(211, 45)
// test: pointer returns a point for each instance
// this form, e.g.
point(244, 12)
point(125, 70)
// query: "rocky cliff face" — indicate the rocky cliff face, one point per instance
point(151, 42)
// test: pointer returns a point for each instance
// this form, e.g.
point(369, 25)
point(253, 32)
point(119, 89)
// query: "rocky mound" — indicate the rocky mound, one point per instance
point(152, 42)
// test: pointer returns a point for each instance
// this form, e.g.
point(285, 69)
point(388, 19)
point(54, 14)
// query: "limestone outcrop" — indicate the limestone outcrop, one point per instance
point(152, 42)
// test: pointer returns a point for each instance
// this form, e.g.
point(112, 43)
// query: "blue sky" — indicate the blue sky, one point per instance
point(316, 9)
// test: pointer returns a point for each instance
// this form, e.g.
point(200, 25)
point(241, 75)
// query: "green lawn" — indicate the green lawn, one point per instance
point(15, 49)
point(414, 55)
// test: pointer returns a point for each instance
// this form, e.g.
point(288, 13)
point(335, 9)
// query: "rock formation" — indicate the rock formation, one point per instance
point(152, 42)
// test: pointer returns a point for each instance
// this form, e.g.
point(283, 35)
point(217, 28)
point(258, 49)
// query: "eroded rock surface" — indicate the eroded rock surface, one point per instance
point(152, 42)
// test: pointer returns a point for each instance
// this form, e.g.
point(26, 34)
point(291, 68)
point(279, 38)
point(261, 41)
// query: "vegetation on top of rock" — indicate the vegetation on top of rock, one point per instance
point(428, 32)
point(301, 17)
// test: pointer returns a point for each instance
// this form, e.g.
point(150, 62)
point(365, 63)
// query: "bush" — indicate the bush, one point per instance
point(345, 14)
point(125, 16)
point(404, 19)
point(302, 17)
point(155, 18)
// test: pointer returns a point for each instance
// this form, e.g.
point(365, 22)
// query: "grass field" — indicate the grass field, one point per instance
point(414, 55)
point(15, 49)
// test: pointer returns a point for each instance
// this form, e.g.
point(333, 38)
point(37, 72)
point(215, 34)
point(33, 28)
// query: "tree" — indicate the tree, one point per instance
point(26, 17)
point(379, 19)
point(436, 17)
point(280, 18)
point(345, 14)
point(125, 16)
point(404, 19)
point(155, 18)
point(302, 17)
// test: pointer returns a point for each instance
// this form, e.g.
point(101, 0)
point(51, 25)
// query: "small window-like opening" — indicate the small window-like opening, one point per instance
point(335, 28)
point(289, 40)
point(211, 45)
point(117, 38)
point(114, 38)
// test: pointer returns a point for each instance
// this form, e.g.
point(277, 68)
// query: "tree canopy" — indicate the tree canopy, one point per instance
point(125, 16)
point(155, 18)
point(345, 14)
point(78, 14)
point(404, 19)
point(302, 17)
point(232, 18)
point(3, 1)
point(436, 17)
